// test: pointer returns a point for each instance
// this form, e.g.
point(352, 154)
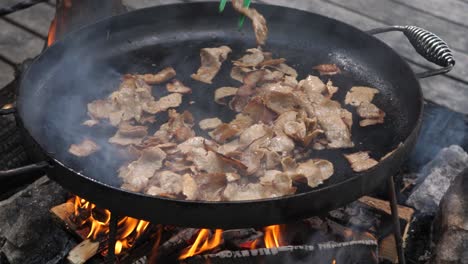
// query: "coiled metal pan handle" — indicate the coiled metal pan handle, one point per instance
point(428, 45)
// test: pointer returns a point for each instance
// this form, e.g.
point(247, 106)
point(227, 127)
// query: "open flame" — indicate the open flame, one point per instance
point(128, 229)
point(273, 236)
point(334, 261)
point(203, 243)
point(52, 32)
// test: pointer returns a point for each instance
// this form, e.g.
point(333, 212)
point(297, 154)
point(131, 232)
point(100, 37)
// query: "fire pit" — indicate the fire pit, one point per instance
point(102, 230)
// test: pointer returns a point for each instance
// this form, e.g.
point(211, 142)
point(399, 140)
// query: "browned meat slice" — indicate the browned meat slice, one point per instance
point(169, 101)
point(229, 148)
point(100, 109)
point(168, 181)
point(189, 187)
point(327, 69)
point(251, 79)
point(258, 21)
point(165, 75)
point(252, 59)
point(371, 113)
point(210, 123)
point(222, 93)
point(90, 122)
point(277, 183)
point(315, 171)
point(177, 86)
point(252, 133)
point(281, 102)
point(360, 94)
point(286, 69)
point(331, 90)
point(360, 161)
point(282, 144)
point(238, 73)
point(85, 148)
point(335, 122)
point(137, 174)
point(312, 84)
point(258, 111)
point(223, 133)
point(272, 62)
point(211, 61)
point(129, 135)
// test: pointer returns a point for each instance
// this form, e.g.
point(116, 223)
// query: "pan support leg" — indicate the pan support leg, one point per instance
point(110, 259)
point(396, 220)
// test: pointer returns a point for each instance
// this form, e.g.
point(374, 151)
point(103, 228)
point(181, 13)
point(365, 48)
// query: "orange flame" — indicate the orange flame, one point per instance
point(208, 243)
point(272, 236)
point(334, 262)
point(52, 32)
point(128, 229)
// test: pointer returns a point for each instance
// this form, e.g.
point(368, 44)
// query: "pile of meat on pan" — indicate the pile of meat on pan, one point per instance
point(259, 154)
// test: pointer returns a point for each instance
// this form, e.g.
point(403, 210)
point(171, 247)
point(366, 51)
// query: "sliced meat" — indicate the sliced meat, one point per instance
point(295, 130)
point(129, 135)
point(281, 102)
point(360, 161)
point(327, 69)
point(331, 118)
point(238, 73)
point(229, 148)
point(282, 144)
point(210, 123)
point(169, 101)
point(168, 181)
point(315, 171)
point(258, 21)
point(360, 94)
point(100, 109)
point(164, 75)
point(222, 93)
point(211, 61)
point(257, 110)
point(286, 69)
point(252, 133)
point(90, 122)
point(371, 113)
point(312, 84)
point(137, 173)
point(272, 62)
point(223, 133)
point(85, 148)
point(189, 187)
point(177, 86)
point(252, 59)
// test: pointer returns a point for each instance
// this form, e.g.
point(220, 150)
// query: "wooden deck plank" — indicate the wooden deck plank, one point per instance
point(451, 10)
point(6, 74)
point(36, 18)
point(390, 12)
point(16, 44)
point(395, 40)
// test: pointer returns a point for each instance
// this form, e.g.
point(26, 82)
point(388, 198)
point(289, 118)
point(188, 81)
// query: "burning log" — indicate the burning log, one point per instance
point(83, 252)
point(239, 238)
point(374, 215)
point(361, 251)
point(173, 245)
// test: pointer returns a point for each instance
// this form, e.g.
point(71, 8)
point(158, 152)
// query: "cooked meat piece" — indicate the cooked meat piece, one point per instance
point(331, 118)
point(129, 135)
point(231, 176)
point(169, 101)
point(211, 186)
point(194, 142)
point(272, 62)
point(290, 81)
point(85, 148)
point(289, 165)
point(272, 77)
point(252, 133)
point(238, 103)
point(258, 21)
point(327, 69)
point(280, 102)
point(315, 171)
point(279, 182)
point(90, 122)
point(223, 92)
point(241, 122)
point(168, 181)
point(229, 148)
point(252, 158)
point(286, 69)
point(156, 191)
point(189, 187)
point(257, 110)
point(210, 123)
point(238, 73)
point(272, 160)
point(177, 86)
point(251, 79)
point(295, 130)
point(137, 173)
point(371, 113)
point(211, 61)
point(223, 133)
point(360, 94)
point(207, 161)
point(282, 144)
point(331, 89)
point(312, 84)
point(100, 109)
point(165, 75)
point(360, 161)
point(252, 59)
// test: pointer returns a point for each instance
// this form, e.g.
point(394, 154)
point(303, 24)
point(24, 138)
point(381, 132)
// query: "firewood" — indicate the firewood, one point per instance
point(178, 241)
point(83, 252)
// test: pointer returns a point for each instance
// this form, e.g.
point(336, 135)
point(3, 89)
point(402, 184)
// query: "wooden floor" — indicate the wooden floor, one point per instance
point(22, 34)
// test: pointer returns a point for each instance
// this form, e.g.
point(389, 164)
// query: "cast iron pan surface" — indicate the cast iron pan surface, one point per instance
point(88, 65)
